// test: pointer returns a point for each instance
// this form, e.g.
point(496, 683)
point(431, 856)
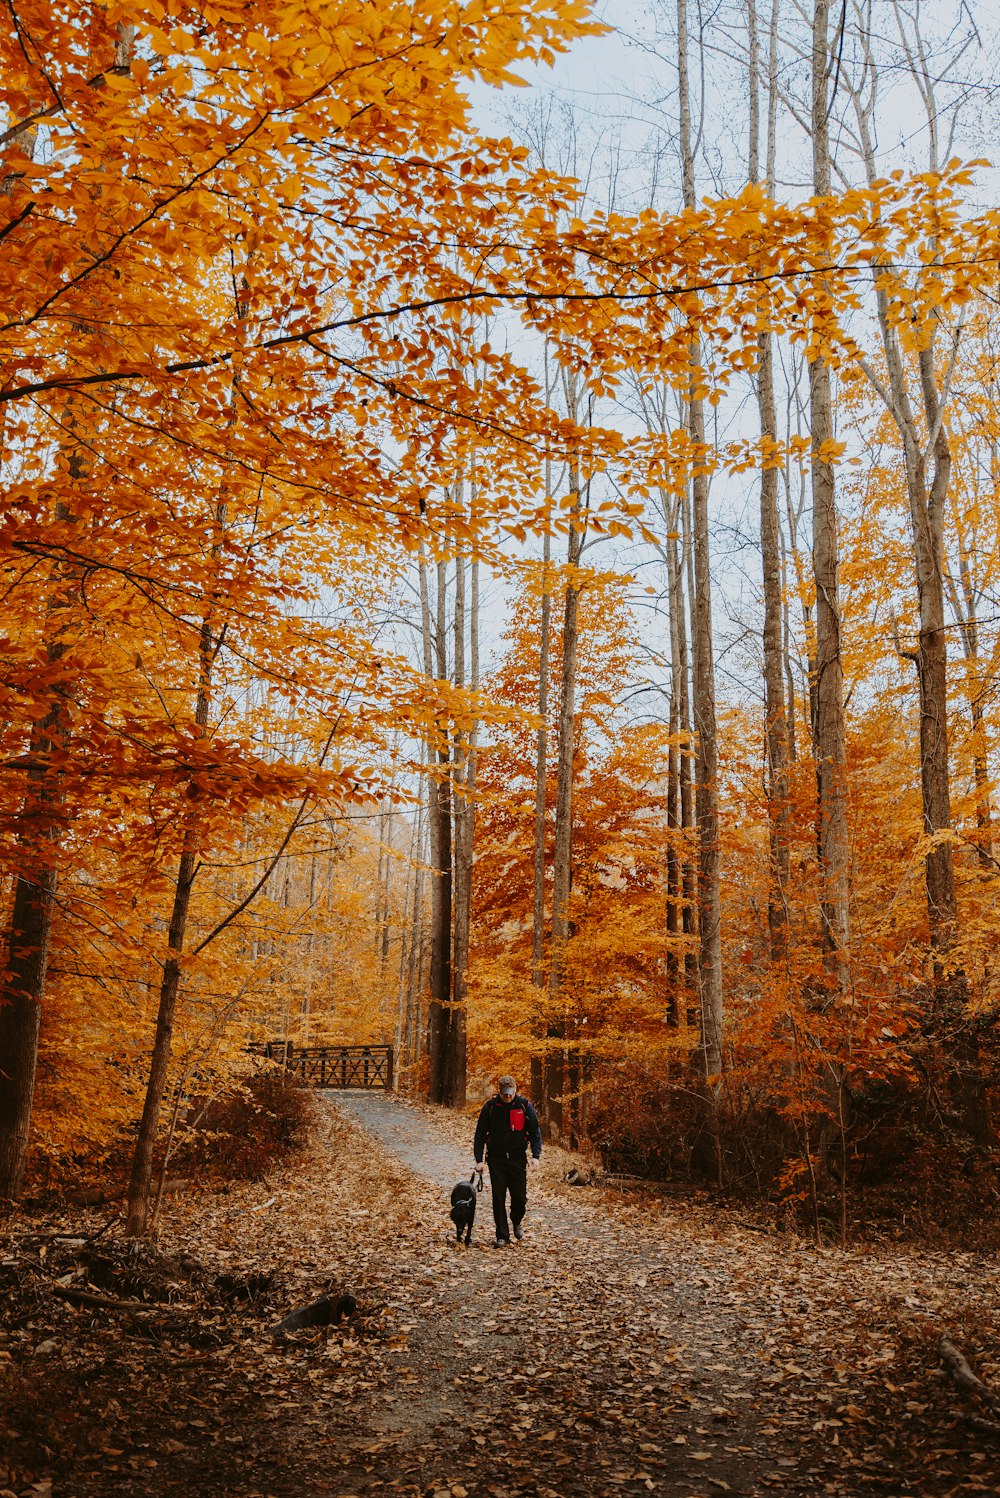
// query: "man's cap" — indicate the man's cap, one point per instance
point(507, 1084)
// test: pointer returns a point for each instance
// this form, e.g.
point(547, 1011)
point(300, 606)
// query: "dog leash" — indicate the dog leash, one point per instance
point(477, 1176)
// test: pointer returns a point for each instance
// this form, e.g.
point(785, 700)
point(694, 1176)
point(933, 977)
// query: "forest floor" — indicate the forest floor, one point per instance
point(631, 1344)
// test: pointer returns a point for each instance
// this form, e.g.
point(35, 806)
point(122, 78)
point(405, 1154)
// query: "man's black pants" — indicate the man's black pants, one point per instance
point(512, 1176)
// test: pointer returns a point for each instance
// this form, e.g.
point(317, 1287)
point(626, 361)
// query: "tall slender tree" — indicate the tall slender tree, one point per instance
point(775, 713)
point(703, 696)
point(829, 733)
point(562, 858)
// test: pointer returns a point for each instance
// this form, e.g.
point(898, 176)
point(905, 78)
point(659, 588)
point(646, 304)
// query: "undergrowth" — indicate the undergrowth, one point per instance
point(240, 1136)
point(911, 1174)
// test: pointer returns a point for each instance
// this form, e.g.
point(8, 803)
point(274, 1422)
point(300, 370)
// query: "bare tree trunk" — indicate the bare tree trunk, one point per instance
point(441, 953)
point(414, 984)
point(786, 636)
point(469, 824)
point(439, 814)
point(928, 473)
point(793, 559)
point(41, 830)
point(574, 1084)
point(965, 609)
point(927, 493)
point(927, 465)
point(28, 952)
point(676, 1000)
point(306, 1011)
point(707, 792)
point(386, 819)
point(139, 1191)
point(776, 721)
point(422, 1010)
point(405, 951)
point(562, 861)
point(433, 824)
point(22, 984)
point(464, 771)
point(379, 883)
point(980, 769)
point(927, 509)
point(688, 769)
point(541, 744)
point(209, 643)
point(833, 837)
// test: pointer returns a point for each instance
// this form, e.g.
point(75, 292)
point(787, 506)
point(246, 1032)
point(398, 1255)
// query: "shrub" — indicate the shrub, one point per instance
point(242, 1135)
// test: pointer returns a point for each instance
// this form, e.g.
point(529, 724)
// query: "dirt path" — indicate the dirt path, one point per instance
point(580, 1361)
point(624, 1347)
point(646, 1347)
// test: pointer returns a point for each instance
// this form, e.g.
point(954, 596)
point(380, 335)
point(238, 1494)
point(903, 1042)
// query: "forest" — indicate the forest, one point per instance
point(522, 593)
point(500, 559)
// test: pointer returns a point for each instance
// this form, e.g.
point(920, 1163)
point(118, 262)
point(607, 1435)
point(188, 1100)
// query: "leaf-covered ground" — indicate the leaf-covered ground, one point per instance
point(627, 1346)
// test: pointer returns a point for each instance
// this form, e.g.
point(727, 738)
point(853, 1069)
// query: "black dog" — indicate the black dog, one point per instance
point(463, 1209)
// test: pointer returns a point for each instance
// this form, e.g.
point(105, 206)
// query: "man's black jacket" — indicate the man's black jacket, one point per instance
point(505, 1129)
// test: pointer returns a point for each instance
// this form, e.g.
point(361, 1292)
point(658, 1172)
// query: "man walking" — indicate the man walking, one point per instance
point(507, 1125)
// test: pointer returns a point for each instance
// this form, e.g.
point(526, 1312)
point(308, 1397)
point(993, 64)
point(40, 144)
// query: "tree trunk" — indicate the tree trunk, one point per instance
point(209, 642)
point(414, 991)
point(439, 814)
point(927, 465)
point(23, 988)
point(383, 878)
point(23, 982)
point(574, 1085)
point(464, 771)
point(139, 1191)
point(405, 951)
point(927, 489)
point(775, 716)
point(707, 792)
point(965, 609)
point(29, 937)
point(830, 738)
point(541, 745)
point(786, 635)
point(562, 861)
point(676, 998)
point(688, 769)
point(927, 502)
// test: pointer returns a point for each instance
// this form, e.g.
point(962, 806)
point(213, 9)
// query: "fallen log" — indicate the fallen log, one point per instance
point(963, 1376)
point(326, 1311)
point(103, 1302)
point(115, 1303)
point(619, 1182)
point(96, 1196)
point(987, 1427)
